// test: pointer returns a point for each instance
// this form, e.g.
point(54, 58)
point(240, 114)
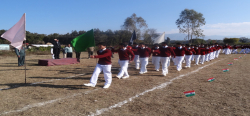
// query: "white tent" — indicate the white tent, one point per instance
point(4, 47)
point(160, 38)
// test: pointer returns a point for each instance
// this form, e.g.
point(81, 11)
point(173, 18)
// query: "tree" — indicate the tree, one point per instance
point(135, 23)
point(198, 41)
point(244, 40)
point(190, 22)
point(168, 40)
point(149, 36)
point(231, 40)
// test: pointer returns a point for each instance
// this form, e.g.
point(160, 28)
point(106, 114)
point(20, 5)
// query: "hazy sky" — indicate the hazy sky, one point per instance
point(223, 17)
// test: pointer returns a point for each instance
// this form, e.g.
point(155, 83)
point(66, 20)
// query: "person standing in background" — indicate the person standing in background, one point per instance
point(21, 55)
point(68, 51)
point(64, 52)
point(51, 50)
point(90, 51)
point(56, 48)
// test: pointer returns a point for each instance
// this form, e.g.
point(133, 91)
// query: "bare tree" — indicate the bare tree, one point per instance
point(135, 23)
point(190, 22)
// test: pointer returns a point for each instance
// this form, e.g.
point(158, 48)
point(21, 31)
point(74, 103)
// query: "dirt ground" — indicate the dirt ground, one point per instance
point(59, 90)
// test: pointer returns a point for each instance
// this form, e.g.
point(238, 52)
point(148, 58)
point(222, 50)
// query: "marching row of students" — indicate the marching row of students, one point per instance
point(160, 55)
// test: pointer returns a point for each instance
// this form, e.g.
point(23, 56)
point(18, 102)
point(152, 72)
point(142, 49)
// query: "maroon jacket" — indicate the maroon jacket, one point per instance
point(155, 52)
point(104, 57)
point(166, 52)
point(190, 51)
point(134, 49)
point(180, 52)
point(203, 51)
point(197, 51)
point(124, 54)
point(143, 52)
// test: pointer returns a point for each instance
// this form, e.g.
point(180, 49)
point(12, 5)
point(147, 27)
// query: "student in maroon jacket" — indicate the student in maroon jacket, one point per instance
point(156, 56)
point(197, 54)
point(104, 64)
point(243, 48)
point(188, 55)
point(203, 54)
point(124, 60)
point(227, 49)
point(144, 54)
point(179, 52)
point(218, 50)
point(165, 53)
point(235, 50)
point(136, 59)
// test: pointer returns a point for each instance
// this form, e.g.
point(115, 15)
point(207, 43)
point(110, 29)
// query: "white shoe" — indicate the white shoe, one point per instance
point(118, 77)
point(125, 77)
point(89, 85)
point(164, 74)
point(106, 86)
point(157, 70)
point(179, 70)
point(185, 66)
point(141, 72)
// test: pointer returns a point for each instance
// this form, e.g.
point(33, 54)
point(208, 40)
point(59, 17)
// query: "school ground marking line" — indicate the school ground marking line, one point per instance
point(43, 81)
point(163, 85)
point(98, 112)
point(47, 102)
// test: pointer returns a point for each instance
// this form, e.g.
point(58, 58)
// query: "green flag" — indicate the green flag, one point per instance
point(82, 42)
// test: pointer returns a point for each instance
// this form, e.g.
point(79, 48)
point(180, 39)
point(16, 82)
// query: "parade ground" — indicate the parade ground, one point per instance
point(59, 90)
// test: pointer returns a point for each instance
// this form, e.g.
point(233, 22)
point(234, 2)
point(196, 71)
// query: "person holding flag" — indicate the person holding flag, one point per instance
point(125, 57)
point(104, 64)
point(21, 55)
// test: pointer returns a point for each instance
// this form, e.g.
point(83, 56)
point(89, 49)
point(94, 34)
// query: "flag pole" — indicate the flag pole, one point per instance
point(25, 46)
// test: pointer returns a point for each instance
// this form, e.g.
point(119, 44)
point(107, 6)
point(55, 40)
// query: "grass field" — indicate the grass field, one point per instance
point(59, 90)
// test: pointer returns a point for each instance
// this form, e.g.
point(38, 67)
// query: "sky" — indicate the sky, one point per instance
point(223, 17)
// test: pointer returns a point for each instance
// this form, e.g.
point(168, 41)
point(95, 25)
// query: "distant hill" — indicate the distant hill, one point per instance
point(181, 36)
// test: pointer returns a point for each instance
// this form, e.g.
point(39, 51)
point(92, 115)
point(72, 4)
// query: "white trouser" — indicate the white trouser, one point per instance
point(217, 53)
point(64, 55)
point(124, 68)
point(211, 54)
point(156, 62)
point(179, 60)
point(184, 59)
point(202, 59)
point(197, 58)
point(137, 61)
point(247, 50)
point(164, 63)
point(223, 51)
point(144, 63)
point(188, 60)
point(106, 71)
point(192, 58)
point(207, 57)
point(227, 51)
point(169, 61)
point(242, 51)
point(234, 51)
point(53, 56)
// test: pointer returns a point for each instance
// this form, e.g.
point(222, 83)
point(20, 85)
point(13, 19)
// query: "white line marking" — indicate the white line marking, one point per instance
point(163, 85)
point(46, 102)
point(15, 86)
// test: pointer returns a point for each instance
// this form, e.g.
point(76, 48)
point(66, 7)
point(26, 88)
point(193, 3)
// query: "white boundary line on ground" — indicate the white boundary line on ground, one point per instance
point(42, 82)
point(46, 102)
point(163, 85)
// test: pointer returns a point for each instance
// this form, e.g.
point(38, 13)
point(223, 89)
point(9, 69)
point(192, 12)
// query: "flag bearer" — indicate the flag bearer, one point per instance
point(125, 57)
point(156, 57)
point(21, 55)
point(104, 64)
point(165, 53)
